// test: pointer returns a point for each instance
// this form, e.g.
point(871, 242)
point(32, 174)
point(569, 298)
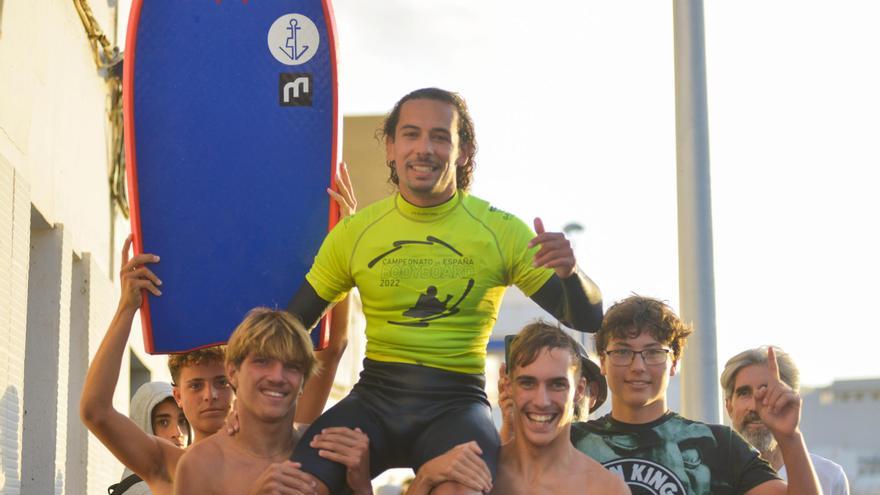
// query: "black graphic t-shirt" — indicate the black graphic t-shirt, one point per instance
point(673, 456)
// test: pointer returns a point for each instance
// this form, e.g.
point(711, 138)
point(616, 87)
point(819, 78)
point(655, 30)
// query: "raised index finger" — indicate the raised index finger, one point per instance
point(772, 364)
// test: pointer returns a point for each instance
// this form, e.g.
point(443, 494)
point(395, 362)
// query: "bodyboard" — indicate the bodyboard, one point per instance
point(231, 126)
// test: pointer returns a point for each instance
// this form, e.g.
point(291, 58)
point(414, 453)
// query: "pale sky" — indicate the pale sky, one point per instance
point(574, 109)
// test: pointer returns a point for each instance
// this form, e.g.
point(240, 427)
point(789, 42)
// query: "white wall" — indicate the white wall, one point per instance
point(59, 242)
point(14, 255)
point(59, 239)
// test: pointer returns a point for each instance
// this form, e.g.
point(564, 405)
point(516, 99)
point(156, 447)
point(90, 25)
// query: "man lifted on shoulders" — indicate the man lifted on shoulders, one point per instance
point(431, 263)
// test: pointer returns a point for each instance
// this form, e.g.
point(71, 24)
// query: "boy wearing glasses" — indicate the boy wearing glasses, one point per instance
point(655, 450)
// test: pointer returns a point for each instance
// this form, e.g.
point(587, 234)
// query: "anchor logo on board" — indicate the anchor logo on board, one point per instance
point(295, 90)
point(293, 39)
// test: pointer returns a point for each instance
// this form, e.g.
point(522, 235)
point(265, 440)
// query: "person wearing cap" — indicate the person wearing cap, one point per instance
point(542, 386)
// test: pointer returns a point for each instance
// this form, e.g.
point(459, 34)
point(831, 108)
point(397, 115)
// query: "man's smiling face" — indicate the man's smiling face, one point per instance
point(638, 389)
point(266, 387)
point(426, 151)
point(544, 393)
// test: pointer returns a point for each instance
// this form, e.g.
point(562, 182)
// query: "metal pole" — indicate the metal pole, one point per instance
point(700, 397)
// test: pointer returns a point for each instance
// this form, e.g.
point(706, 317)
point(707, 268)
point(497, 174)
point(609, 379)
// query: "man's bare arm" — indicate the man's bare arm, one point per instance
point(317, 389)
point(309, 306)
point(146, 455)
point(281, 478)
point(462, 464)
point(351, 448)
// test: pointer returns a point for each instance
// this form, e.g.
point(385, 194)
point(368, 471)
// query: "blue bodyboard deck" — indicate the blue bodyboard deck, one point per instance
point(231, 125)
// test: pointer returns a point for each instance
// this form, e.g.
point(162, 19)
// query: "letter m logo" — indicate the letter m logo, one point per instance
point(295, 90)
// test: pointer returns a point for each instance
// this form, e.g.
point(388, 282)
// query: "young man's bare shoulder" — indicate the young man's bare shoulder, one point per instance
point(200, 466)
point(599, 479)
point(204, 457)
point(208, 451)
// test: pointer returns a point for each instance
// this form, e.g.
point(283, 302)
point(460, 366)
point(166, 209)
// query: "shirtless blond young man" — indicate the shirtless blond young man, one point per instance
point(200, 387)
point(268, 359)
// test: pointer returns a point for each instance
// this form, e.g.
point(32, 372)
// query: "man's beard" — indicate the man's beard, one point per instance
point(760, 438)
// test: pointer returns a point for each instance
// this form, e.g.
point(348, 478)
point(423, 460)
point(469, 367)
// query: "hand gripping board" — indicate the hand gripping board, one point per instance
point(231, 125)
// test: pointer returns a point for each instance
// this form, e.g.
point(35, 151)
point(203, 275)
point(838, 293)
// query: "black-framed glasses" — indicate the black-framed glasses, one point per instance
point(625, 357)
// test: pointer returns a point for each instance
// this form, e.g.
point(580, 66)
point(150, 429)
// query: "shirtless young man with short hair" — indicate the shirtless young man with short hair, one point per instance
point(269, 358)
point(544, 384)
point(201, 388)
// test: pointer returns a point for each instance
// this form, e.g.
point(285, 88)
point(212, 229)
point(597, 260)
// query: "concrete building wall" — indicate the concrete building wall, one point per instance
point(48, 325)
point(59, 241)
point(59, 238)
point(840, 422)
point(14, 261)
point(53, 120)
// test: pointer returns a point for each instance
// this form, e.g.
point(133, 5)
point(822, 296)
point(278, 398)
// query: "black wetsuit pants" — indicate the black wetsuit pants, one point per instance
point(411, 414)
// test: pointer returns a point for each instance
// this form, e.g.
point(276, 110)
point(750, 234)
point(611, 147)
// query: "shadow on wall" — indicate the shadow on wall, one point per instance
point(9, 436)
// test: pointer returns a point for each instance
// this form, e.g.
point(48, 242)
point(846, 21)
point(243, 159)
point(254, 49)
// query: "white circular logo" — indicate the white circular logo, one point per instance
point(293, 39)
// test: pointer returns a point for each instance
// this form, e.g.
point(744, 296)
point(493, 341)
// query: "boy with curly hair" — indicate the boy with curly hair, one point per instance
point(655, 450)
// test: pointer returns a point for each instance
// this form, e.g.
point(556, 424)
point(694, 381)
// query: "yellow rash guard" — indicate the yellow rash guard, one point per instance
point(431, 279)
